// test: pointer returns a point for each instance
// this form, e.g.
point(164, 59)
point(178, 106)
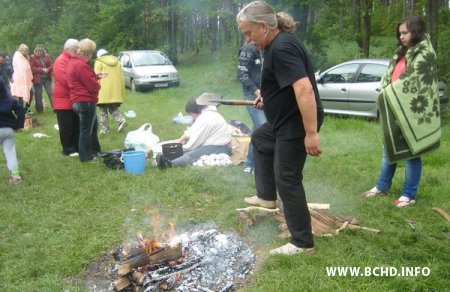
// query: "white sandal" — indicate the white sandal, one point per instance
point(373, 192)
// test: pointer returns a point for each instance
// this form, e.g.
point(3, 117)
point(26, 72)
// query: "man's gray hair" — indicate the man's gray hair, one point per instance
point(71, 45)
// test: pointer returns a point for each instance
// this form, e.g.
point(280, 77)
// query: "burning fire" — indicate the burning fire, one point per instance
point(145, 245)
point(149, 245)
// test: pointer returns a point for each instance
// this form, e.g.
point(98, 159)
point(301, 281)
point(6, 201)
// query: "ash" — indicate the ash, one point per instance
point(219, 261)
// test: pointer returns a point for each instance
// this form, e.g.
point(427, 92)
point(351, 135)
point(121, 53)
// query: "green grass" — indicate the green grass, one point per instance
point(67, 214)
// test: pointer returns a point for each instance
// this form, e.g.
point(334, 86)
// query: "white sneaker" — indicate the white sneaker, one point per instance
point(290, 249)
point(373, 192)
point(248, 170)
point(75, 154)
point(404, 201)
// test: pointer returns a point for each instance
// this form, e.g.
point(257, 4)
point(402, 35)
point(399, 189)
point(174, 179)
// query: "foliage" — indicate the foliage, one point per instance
point(118, 25)
point(442, 50)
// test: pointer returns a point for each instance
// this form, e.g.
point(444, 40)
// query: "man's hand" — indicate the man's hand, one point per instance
point(312, 144)
point(259, 103)
point(258, 100)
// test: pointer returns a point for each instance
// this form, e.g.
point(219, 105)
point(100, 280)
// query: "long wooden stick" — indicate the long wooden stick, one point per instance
point(442, 212)
point(351, 226)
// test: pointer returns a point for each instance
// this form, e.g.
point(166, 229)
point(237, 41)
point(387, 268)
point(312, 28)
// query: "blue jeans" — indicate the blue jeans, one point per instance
point(258, 118)
point(413, 172)
point(88, 144)
point(9, 148)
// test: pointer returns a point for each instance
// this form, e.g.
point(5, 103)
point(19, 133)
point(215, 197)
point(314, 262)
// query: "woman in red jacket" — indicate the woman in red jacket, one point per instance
point(84, 87)
point(67, 119)
point(41, 66)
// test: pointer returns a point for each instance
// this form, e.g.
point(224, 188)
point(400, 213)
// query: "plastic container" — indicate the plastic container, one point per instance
point(134, 162)
point(172, 150)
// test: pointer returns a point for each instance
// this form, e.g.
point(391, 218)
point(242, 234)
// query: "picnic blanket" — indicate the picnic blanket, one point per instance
point(409, 107)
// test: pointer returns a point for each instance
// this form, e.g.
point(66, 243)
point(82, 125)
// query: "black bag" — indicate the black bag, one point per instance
point(242, 127)
point(113, 159)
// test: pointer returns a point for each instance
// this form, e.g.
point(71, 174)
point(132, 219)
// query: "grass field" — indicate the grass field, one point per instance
point(67, 214)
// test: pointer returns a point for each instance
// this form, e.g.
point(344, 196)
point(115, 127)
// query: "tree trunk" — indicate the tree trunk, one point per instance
point(432, 9)
point(303, 12)
point(341, 18)
point(357, 23)
point(367, 27)
point(213, 33)
point(172, 37)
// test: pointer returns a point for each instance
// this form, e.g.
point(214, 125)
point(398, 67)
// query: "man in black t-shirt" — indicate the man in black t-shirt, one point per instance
point(294, 113)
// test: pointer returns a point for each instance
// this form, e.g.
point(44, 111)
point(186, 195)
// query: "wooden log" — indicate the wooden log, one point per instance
point(123, 270)
point(284, 234)
point(442, 212)
point(164, 255)
point(315, 206)
point(279, 217)
point(138, 277)
point(351, 226)
point(328, 220)
point(254, 208)
point(318, 206)
point(121, 283)
point(319, 228)
point(245, 218)
point(322, 223)
point(341, 228)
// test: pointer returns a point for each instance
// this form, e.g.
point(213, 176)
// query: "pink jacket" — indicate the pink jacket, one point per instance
point(22, 77)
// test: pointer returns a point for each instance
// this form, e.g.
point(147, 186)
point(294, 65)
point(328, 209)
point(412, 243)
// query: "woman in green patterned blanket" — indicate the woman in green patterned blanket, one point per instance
point(410, 84)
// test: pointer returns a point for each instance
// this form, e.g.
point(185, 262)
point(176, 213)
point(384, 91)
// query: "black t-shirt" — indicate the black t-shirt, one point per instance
point(286, 61)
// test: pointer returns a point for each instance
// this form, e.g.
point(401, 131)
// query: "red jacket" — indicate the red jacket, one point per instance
point(82, 80)
point(61, 94)
point(37, 66)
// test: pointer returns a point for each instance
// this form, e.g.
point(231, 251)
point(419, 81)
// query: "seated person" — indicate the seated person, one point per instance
point(209, 134)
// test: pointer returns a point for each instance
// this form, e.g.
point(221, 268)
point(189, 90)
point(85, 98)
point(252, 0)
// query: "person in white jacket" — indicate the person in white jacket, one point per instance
point(209, 134)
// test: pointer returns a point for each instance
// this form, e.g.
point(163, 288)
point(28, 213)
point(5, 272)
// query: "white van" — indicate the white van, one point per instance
point(148, 69)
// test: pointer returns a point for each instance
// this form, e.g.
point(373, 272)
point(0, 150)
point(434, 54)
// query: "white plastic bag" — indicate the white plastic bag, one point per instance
point(142, 139)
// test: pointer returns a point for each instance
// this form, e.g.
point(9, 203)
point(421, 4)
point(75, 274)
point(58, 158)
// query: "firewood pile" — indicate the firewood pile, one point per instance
point(322, 222)
point(198, 261)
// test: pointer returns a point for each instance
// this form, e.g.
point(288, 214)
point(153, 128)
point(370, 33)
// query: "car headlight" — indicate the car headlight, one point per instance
point(173, 74)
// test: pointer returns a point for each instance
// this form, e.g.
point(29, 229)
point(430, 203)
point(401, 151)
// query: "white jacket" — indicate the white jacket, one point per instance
point(210, 128)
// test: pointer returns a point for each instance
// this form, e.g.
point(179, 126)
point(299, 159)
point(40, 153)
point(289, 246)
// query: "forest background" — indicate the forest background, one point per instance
point(183, 26)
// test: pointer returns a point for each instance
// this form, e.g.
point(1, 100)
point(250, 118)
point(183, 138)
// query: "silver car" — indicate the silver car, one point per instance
point(352, 88)
point(147, 69)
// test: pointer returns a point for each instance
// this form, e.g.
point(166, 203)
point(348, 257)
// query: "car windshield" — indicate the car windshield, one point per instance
point(150, 59)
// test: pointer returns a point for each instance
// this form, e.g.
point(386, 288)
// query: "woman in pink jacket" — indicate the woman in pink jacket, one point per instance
point(84, 87)
point(22, 77)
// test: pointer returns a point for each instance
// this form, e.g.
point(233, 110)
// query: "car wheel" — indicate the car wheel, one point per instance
point(133, 86)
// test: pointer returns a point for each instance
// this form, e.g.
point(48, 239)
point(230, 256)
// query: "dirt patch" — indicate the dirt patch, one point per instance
point(97, 276)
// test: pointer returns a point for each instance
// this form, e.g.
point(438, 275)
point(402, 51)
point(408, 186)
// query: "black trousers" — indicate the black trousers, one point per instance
point(278, 167)
point(68, 123)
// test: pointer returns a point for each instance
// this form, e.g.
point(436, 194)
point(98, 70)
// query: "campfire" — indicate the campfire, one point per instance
point(202, 260)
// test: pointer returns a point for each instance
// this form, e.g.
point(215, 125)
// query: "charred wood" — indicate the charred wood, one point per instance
point(161, 255)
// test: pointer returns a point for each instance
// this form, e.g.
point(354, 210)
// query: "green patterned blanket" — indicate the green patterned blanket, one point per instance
point(409, 107)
